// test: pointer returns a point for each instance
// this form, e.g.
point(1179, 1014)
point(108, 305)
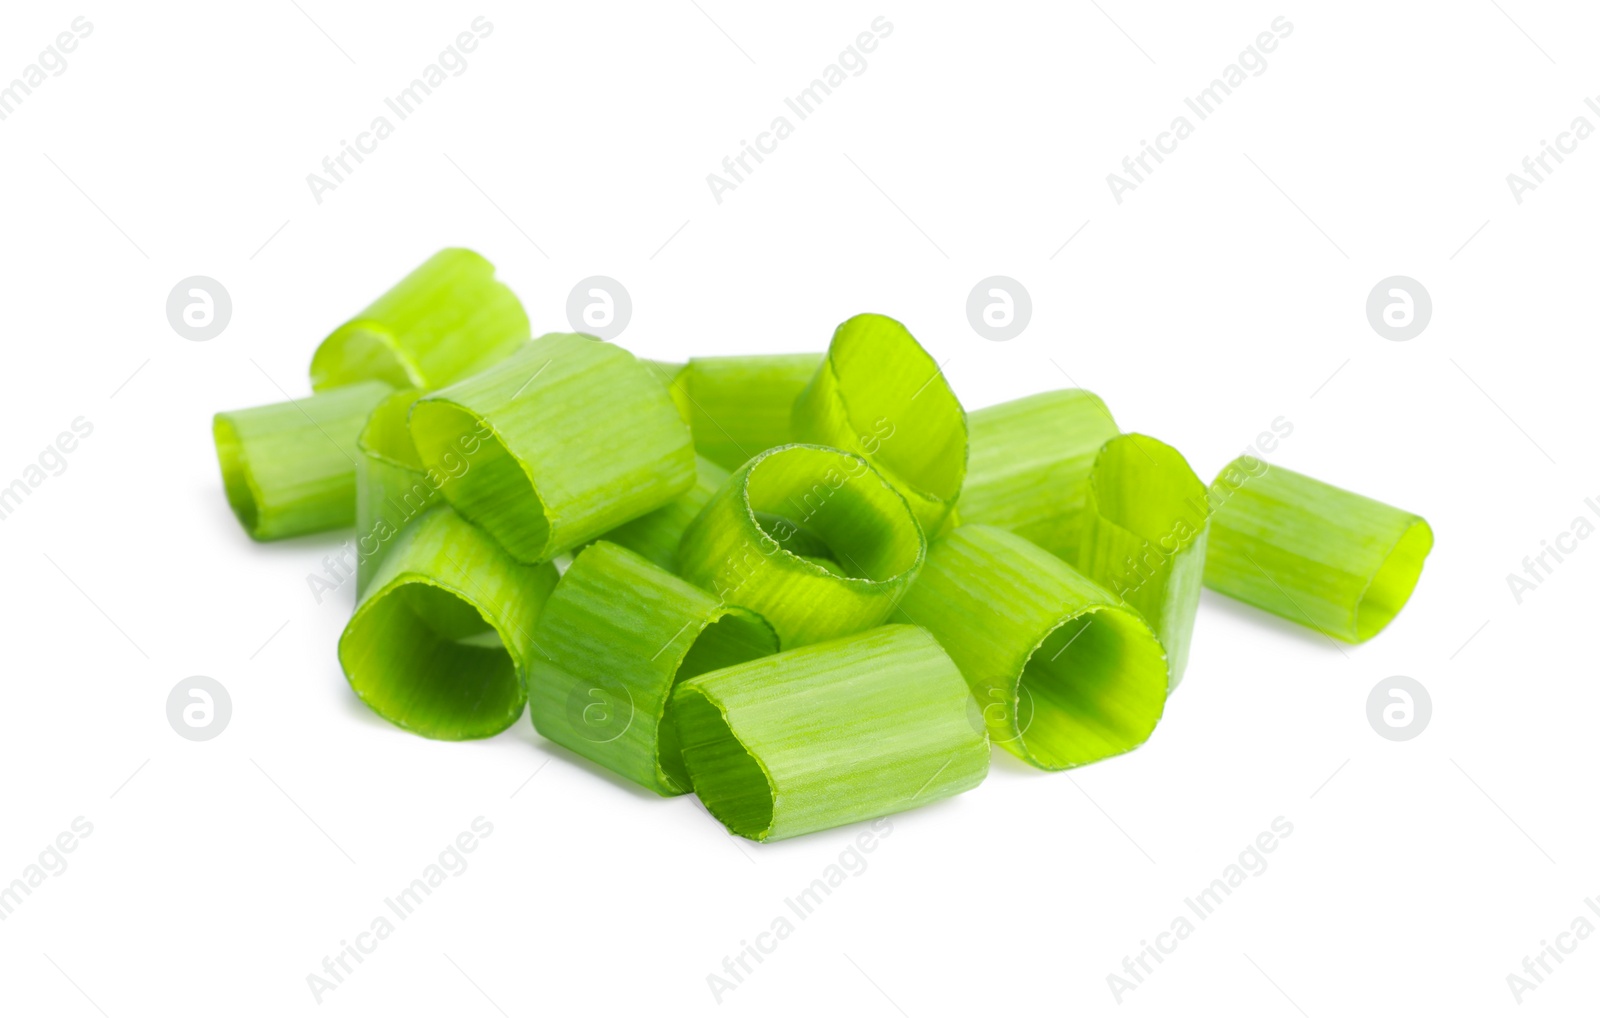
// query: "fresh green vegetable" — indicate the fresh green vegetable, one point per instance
point(562, 441)
point(448, 319)
point(656, 534)
point(811, 538)
point(1028, 466)
point(1065, 673)
point(880, 395)
point(739, 406)
point(392, 485)
point(1327, 558)
point(1144, 537)
point(290, 468)
point(441, 640)
point(829, 734)
point(613, 639)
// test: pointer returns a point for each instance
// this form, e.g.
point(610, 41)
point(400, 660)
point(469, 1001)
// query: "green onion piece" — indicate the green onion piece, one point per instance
point(392, 485)
point(440, 641)
point(880, 395)
point(755, 544)
point(614, 637)
point(1144, 537)
point(290, 468)
point(558, 443)
point(1321, 556)
point(1065, 673)
point(448, 319)
point(1028, 468)
point(656, 534)
point(739, 406)
point(830, 734)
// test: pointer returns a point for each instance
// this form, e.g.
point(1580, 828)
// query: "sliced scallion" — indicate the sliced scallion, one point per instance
point(830, 734)
point(739, 406)
point(811, 538)
point(440, 641)
point(656, 534)
point(614, 637)
point(880, 395)
point(290, 468)
point(562, 441)
point(392, 485)
point(1064, 672)
point(448, 319)
point(1144, 537)
point(1318, 555)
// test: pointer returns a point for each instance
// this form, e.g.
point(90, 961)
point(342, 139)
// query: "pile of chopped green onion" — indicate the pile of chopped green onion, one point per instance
point(809, 588)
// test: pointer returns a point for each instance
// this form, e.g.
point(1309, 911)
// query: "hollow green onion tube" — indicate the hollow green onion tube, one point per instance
point(656, 534)
point(440, 641)
point(739, 406)
point(1028, 466)
point(1327, 558)
point(1144, 537)
point(880, 395)
point(830, 734)
point(555, 445)
point(392, 485)
point(448, 319)
point(290, 468)
point(1064, 672)
point(615, 636)
point(811, 538)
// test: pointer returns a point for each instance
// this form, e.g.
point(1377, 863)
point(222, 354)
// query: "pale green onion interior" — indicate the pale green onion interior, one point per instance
point(427, 659)
point(862, 525)
point(731, 783)
point(734, 637)
point(1394, 581)
point(493, 489)
point(1145, 486)
point(1095, 687)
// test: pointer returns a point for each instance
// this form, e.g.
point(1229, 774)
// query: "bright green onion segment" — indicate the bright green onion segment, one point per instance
point(739, 406)
point(562, 441)
point(656, 534)
point(811, 538)
point(880, 395)
point(392, 485)
point(1318, 555)
point(1064, 673)
point(1028, 465)
point(290, 468)
point(440, 641)
point(615, 636)
point(448, 319)
point(829, 734)
point(1144, 537)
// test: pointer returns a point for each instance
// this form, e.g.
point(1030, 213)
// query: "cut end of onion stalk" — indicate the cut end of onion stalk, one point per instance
point(1064, 672)
point(290, 468)
point(1144, 537)
point(446, 320)
point(615, 637)
point(392, 485)
point(439, 643)
point(811, 538)
point(562, 441)
point(1341, 563)
point(880, 395)
point(830, 734)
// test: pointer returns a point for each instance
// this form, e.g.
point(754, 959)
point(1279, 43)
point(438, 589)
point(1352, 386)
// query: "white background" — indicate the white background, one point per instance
point(1227, 290)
